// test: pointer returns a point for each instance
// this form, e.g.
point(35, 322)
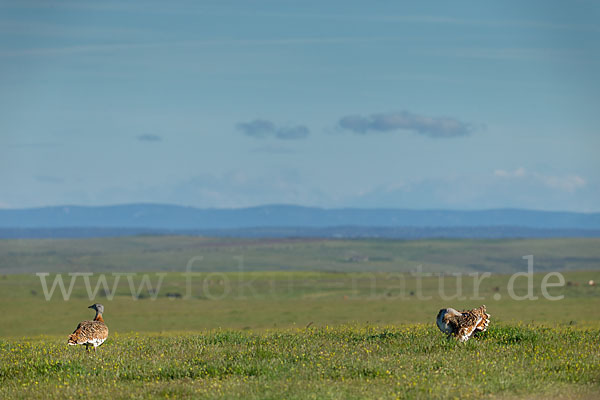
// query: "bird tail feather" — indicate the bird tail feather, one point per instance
point(485, 320)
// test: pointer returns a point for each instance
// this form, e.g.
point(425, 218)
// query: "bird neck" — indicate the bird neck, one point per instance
point(98, 317)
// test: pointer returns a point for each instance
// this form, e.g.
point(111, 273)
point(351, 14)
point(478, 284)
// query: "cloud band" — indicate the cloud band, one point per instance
point(434, 127)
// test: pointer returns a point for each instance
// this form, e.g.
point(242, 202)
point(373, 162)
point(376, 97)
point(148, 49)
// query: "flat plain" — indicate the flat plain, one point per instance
point(298, 318)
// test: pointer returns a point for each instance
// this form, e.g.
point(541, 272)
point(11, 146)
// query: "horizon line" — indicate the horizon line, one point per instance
point(314, 207)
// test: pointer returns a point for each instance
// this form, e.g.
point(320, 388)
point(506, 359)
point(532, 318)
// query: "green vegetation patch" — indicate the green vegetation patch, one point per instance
point(349, 361)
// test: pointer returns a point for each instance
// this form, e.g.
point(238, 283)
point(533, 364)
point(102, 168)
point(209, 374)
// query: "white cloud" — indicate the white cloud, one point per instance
point(517, 173)
point(505, 188)
point(566, 183)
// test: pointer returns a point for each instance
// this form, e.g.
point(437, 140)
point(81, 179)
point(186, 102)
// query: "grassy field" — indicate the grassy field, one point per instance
point(266, 300)
point(345, 362)
point(298, 319)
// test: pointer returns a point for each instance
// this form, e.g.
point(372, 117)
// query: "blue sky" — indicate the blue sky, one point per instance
point(461, 105)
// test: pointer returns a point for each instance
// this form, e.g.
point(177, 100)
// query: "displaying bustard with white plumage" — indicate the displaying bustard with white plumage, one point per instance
point(463, 324)
point(90, 333)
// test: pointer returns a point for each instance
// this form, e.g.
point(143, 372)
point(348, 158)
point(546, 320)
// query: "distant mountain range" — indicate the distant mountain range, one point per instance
point(286, 220)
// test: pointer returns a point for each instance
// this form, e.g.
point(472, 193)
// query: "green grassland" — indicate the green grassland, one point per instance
point(298, 318)
point(345, 362)
point(266, 300)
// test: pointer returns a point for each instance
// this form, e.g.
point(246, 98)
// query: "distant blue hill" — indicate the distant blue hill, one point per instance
point(340, 232)
point(174, 218)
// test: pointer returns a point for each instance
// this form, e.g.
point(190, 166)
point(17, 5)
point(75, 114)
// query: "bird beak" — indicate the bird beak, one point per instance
point(92, 306)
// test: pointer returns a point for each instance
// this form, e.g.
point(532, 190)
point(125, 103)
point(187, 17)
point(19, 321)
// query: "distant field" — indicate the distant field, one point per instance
point(173, 253)
point(260, 284)
point(263, 300)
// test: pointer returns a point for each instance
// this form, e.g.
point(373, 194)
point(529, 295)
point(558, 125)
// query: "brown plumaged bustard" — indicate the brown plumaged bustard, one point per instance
point(90, 333)
point(463, 324)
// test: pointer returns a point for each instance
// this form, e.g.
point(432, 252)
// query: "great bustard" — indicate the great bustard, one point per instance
point(463, 324)
point(90, 333)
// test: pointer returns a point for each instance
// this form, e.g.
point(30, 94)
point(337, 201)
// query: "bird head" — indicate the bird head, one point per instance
point(442, 319)
point(447, 312)
point(98, 307)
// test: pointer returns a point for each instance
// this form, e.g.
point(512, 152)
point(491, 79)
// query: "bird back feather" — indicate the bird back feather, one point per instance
point(89, 332)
